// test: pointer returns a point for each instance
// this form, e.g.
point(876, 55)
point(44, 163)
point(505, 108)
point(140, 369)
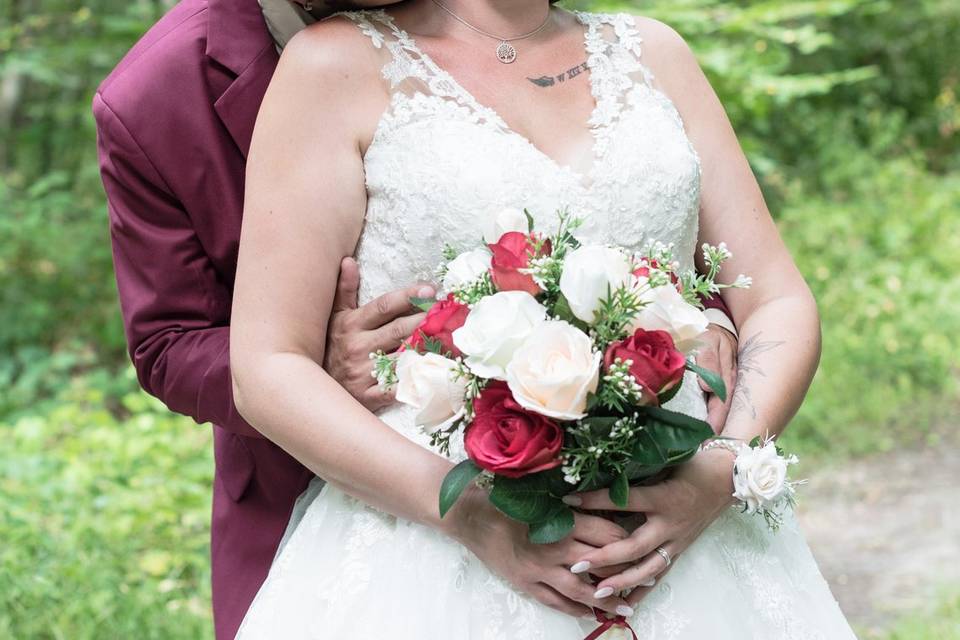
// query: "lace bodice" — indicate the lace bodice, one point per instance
point(440, 161)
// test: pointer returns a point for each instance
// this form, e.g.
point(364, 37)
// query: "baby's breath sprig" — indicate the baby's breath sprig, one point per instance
point(384, 368)
point(619, 390)
point(598, 451)
point(473, 292)
point(697, 285)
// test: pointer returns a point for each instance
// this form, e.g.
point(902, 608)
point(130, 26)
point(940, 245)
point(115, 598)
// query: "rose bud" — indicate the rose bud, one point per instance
point(508, 440)
point(512, 253)
point(655, 362)
point(442, 320)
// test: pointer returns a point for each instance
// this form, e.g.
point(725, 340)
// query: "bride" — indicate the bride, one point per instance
point(387, 134)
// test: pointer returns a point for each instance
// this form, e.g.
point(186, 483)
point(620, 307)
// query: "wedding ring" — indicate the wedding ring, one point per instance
point(663, 554)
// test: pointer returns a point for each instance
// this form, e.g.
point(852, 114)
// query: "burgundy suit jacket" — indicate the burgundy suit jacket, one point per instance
point(174, 122)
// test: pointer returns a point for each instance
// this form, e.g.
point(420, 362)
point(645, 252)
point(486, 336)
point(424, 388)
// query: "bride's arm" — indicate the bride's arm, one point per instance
point(777, 320)
point(304, 210)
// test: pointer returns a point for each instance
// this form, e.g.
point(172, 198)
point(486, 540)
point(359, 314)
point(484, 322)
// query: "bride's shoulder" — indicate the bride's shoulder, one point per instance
point(333, 53)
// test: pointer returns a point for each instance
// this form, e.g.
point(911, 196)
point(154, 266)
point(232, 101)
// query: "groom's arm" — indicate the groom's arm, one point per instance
point(176, 311)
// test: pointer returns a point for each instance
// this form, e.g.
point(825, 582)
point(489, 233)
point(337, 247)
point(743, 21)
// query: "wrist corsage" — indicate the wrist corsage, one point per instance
point(760, 480)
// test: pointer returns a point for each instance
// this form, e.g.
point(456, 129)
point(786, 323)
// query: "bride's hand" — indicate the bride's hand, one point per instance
point(540, 570)
point(677, 512)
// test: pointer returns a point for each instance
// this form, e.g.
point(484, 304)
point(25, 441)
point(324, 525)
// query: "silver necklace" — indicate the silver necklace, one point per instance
point(506, 53)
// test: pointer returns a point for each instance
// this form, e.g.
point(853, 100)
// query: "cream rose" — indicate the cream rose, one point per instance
point(427, 383)
point(466, 268)
point(760, 477)
point(666, 310)
point(504, 222)
point(553, 371)
point(588, 274)
point(496, 326)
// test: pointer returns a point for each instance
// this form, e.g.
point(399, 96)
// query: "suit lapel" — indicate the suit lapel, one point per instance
point(237, 38)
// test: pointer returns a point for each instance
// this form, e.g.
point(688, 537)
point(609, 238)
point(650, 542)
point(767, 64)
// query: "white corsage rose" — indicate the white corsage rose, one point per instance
point(589, 272)
point(504, 222)
point(427, 383)
point(495, 327)
point(760, 477)
point(666, 310)
point(466, 268)
point(553, 371)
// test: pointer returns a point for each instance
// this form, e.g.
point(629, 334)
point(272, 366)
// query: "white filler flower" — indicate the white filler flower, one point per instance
point(466, 268)
point(666, 310)
point(495, 327)
point(553, 371)
point(504, 222)
point(427, 383)
point(760, 477)
point(589, 272)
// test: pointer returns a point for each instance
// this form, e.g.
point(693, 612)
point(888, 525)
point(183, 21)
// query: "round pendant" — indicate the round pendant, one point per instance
point(506, 53)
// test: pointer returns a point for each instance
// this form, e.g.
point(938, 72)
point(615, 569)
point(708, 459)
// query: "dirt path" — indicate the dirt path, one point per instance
point(886, 531)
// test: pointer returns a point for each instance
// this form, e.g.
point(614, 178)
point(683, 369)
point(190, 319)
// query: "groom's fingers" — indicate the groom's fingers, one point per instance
point(391, 335)
point(348, 286)
point(392, 304)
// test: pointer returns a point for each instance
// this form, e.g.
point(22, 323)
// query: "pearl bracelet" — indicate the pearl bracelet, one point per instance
point(733, 446)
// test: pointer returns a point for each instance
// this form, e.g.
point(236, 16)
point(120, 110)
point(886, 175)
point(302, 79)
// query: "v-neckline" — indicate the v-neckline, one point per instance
point(583, 179)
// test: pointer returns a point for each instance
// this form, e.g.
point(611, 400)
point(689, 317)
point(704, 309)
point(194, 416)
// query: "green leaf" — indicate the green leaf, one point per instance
point(554, 528)
point(676, 432)
point(620, 491)
point(424, 304)
point(527, 499)
point(647, 451)
point(455, 482)
point(713, 380)
point(530, 223)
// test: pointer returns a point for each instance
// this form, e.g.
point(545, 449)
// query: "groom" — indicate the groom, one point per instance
point(174, 122)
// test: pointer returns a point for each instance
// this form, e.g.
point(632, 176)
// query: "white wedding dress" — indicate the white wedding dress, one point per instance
point(439, 163)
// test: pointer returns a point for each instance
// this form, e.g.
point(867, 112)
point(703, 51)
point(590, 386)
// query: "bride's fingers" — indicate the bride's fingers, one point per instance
point(629, 550)
point(639, 499)
point(596, 531)
point(545, 594)
point(575, 588)
point(642, 574)
point(639, 593)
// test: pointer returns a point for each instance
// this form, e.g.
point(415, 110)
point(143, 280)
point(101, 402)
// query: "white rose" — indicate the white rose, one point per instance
point(761, 477)
point(504, 222)
point(466, 268)
point(427, 383)
point(666, 310)
point(553, 371)
point(495, 327)
point(588, 273)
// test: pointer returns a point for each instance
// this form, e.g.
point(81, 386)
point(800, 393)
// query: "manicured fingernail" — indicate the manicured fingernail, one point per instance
point(580, 567)
point(573, 501)
point(603, 593)
point(426, 292)
point(649, 583)
point(624, 610)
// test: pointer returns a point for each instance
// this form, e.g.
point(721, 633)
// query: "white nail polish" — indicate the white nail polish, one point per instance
point(603, 593)
point(649, 583)
point(580, 567)
point(624, 610)
point(573, 501)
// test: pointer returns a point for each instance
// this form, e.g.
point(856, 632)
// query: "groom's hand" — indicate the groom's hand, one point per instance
point(354, 333)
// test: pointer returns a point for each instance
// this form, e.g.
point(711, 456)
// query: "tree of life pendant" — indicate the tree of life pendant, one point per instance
point(506, 53)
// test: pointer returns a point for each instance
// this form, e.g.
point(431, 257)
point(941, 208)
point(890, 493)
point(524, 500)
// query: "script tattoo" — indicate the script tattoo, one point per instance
point(747, 366)
point(569, 74)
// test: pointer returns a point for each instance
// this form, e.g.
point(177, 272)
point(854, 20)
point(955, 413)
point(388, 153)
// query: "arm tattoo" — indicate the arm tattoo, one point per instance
point(569, 74)
point(747, 366)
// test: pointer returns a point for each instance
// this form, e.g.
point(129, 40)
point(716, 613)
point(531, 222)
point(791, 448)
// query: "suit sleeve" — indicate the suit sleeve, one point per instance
point(175, 311)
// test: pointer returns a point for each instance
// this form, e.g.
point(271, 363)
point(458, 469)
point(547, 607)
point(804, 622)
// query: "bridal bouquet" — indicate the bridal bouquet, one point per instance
point(555, 359)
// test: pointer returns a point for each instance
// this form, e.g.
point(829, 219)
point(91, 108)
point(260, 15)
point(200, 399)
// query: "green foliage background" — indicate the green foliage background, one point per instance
point(848, 110)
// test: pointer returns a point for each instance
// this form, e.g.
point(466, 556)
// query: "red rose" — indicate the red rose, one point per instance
point(507, 439)
point(512, 252)
point(442, 320)
point(657, 364)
